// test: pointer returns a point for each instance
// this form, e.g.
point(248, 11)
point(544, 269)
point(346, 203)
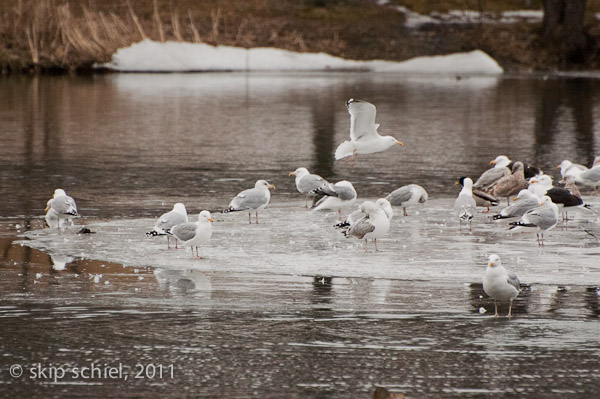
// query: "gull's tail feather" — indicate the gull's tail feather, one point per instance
point(230, 209)
point(514, 225)
point(344, 150)
point(153, 233)
point(341, 225)
point(496, 217)
point(587, 206)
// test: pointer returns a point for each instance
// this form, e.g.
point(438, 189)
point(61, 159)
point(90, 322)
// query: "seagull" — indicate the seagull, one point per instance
point(568, 168)
point(590, 177)
point(481, 197)
point(465, 204)
point(337, 196)
point(355, 216)
point(60, 209)
point(193, 234)
point(407, 196)
point(568, 196)
point(542, 218)
point(364, 138)
point(256, 198)
point(490, 176)
point(511, 184)
point(374, 224)
point(523, 202)
point(500, 284)
point(306, 182)
point(167, 220)
point(540, 185)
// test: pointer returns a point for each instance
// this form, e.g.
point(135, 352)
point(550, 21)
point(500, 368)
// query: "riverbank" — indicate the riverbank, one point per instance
point(73, 36)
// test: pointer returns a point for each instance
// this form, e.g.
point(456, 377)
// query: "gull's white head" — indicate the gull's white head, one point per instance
point(545, 200)
point(564, 165)
point(524, 194)
point(263, 184)
point(383, 203)
point(392, 141)
point(467, 182)
point(180, 208)
point(205, 217)
point(369, 207)
point(544, 180)
point(494, 260)
point(300, 172)
point(500, 161)
point(59, 192)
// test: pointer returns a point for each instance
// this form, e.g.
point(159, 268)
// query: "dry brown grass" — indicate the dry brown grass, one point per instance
point(71, 35)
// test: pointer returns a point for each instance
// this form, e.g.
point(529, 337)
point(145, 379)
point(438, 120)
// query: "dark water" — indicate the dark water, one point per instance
point(128, 146)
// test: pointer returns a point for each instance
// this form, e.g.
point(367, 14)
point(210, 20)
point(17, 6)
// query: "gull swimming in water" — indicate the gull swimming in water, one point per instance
point(177, 215)
point(193, 234)
point(337, 196)
point(256, 199)
point(60, 210)
point(374, 224)
point(407, 196)
point(464, 205)
point(500, 284)
point(542, 218)
point(306, 182)
point(364, 138)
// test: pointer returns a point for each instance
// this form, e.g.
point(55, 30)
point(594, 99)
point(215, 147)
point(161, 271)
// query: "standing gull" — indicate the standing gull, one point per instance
point(540, 185)
point(490, 176)
point(568, 196)
point(167, 220)
point(525, 201)
point(364, 138)
point(500, 284)
point(590, 177)
point(568, 168)
point(256, 198)
point(481, 198)
point(337, 196)
point(306, 182)
point(542, 218)
point(358, 214)
point(60, 209)
point(464, 205)
point(407, 196)
point(511, 184)
point(373, 225)
point(194, 234)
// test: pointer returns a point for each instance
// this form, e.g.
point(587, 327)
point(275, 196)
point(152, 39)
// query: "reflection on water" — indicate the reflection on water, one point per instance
point(129, 146)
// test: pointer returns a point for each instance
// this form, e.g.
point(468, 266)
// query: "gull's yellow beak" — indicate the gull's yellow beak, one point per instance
point(457, 183)
point(292, 174)
point(491, 263)
point(516, 199)
point(399, 143)
point(558, 167)
point(271, 186)
point(533, 181)
point(47, 209)
point(492, 162)
point(542, 203)
point(210, 220)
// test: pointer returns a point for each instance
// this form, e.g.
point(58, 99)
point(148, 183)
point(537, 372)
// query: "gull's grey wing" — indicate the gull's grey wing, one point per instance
point(465, 206)
point(310, 182)
point(518, 208)
point(64, 205)
point(355, 217)
point(360, 228)
point(591, 175)
point(490, 176)
point(184, 231)
point(399, 196)
point(513, 280)
point(345, 193)
point(326, 189)
point(170, 219)
point(252, 198)
point(362, 120)
point(543, 217)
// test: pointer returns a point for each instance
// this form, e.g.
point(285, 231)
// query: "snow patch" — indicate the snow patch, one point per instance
point(152, 56)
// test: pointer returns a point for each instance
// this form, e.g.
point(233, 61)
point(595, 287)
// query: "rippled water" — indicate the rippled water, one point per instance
point(288, 308)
